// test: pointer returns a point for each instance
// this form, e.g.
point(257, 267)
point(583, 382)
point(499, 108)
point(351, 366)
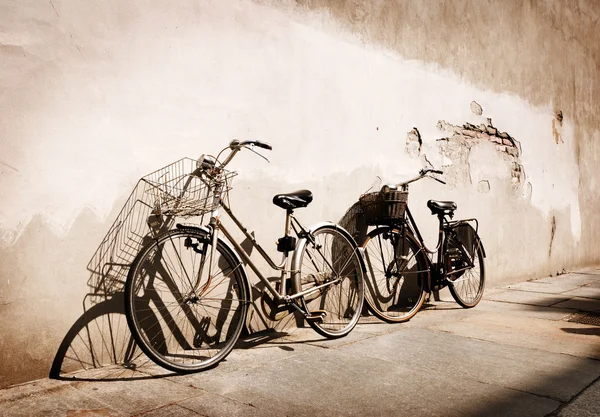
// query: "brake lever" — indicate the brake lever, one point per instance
point(249, 147)
point(438, 180)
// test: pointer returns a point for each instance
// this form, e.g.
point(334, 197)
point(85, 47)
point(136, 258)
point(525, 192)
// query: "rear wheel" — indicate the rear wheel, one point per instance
point(182, 318)
point(467, 289)
point(396, 274)
point(329, 264)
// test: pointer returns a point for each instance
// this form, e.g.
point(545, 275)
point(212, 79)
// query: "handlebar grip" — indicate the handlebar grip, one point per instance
point(436, 171)
point(263, 145)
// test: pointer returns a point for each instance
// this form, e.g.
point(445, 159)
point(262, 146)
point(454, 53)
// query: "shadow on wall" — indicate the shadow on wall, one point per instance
point(100, 339)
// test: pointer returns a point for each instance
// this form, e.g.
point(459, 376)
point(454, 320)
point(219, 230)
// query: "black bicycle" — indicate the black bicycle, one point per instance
point(402, 270)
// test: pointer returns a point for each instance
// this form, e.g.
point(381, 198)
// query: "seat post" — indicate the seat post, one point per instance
point(288, 221)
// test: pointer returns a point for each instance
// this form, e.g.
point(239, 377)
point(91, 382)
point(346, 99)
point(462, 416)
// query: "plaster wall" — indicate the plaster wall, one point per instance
point(95, 95)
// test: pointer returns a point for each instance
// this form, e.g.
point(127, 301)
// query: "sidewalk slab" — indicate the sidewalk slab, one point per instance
point(574, 278)
point(349, 382)
point(218, 406)
point(173, 410)
point(546, 335)
point(60, 400)
point(134, 397)
point(587, 404)
point(529, 370)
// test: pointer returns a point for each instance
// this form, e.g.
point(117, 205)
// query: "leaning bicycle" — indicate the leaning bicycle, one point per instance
point(402, 269)
point(187, 292)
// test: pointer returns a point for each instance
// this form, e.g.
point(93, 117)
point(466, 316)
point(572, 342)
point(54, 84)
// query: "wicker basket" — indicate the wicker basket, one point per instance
point(384, 207)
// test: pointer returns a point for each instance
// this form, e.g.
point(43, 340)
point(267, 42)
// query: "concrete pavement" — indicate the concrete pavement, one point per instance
point(529, 349)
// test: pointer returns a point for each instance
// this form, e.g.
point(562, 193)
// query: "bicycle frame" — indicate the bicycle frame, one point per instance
point(291, 223)
point(215, 226)
point(439, 274)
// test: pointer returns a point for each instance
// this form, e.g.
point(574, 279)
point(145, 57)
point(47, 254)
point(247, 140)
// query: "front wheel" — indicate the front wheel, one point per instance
point(328, 267)
point(467, 289)
point(397, 273)
point(184, 315)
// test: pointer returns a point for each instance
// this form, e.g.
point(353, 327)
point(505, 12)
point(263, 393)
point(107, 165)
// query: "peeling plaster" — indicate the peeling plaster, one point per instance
point(476, 108)
point(557, 127)
point(483, 186)
point(413, 143)
point(552, 234)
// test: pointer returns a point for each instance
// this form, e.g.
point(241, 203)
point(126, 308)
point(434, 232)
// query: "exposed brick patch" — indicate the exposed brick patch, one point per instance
point(464, 137)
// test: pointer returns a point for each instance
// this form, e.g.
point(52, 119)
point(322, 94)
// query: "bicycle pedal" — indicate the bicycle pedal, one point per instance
point(316, 316)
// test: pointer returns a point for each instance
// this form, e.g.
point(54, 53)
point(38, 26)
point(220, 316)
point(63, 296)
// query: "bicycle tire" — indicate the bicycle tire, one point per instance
point(189, 322)
point(330, 254)
point(467, 290)
point(396, 274)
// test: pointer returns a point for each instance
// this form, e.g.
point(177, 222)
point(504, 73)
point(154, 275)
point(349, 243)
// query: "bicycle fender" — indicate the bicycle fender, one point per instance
point(302, 242)
point(231, 251)
point(480, 244)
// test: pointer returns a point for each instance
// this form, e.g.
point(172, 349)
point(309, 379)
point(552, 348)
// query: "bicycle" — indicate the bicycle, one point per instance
point(401, 269)
point(187, 292)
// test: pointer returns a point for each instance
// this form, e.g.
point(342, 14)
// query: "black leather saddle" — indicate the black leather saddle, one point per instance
point(290, 201)
point(441, 207)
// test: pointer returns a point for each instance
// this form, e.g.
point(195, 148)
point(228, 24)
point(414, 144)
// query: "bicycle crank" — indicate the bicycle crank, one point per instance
point(316, 316)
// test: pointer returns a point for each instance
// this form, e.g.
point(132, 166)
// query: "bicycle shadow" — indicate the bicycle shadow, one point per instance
point(100, 339)
point(99, 345)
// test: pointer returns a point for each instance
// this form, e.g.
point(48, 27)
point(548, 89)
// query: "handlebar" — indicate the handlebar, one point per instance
point(236, 145)
point(422, 174)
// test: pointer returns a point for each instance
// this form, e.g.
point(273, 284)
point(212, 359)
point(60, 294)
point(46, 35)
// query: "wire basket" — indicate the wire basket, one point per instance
point(180, 189)
point(384, 207)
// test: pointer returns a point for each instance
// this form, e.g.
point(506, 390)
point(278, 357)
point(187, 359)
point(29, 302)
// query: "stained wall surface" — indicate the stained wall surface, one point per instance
point(501, 95)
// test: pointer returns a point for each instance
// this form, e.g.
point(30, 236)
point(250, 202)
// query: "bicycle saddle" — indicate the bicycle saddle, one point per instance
point(441, 207)
point(290, 201)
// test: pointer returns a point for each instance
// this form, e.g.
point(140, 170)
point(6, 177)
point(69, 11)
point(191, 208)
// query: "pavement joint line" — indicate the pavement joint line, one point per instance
point(542, 292)
point(193, 411)
point(570, 313)
point(535, 305)
point(519, 390)
point(167, 405)
point(573, 398)
point(547, 397)
point(349, 343)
